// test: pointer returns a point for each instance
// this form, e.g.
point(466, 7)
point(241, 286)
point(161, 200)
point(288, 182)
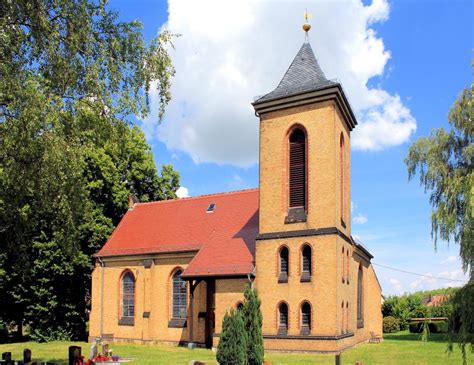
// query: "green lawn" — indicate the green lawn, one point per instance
point(401, 348)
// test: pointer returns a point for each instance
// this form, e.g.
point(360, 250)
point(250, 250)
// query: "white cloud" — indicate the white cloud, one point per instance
point(427, 283)
point(449, 260)
point(182, 192)
point(360, 219)
point(396, 285)
point(231, 51)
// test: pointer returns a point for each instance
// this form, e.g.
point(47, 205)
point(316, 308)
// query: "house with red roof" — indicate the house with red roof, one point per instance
point(171, 269)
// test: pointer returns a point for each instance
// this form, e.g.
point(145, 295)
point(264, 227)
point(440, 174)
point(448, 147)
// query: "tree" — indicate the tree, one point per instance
point(445, 162)
point(71, 75)
point(253, 318)
point(233, 340)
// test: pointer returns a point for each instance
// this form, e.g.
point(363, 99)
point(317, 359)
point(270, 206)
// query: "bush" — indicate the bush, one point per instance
point(438, 327)
point(416, 327)
point(391, 324)
point(232, 346)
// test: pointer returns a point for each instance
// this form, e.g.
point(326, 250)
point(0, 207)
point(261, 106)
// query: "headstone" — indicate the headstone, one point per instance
point(26, 355)
point(6, 356)
point(74, 354)
point(93, 352)
point(196, 362)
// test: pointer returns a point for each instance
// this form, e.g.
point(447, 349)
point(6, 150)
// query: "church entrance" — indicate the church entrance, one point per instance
point(210, 311)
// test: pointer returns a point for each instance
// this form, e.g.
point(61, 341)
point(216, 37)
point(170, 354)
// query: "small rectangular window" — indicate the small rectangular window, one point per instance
point(211, 207)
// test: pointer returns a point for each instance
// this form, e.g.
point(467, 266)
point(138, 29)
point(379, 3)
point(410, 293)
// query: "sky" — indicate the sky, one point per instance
point(402, 64)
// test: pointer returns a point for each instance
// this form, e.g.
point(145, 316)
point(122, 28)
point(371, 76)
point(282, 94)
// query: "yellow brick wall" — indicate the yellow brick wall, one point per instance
point(152, 293)
point(324, 125)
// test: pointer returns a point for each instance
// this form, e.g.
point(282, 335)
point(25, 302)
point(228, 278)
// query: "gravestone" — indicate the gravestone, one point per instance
point(74, 354)
point(26, 355)
point(93, 352)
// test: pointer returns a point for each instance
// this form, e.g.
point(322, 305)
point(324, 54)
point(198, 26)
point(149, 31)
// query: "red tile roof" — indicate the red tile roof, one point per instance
point(224, 240)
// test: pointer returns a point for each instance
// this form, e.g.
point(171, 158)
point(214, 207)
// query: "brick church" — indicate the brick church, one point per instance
point(171, 269)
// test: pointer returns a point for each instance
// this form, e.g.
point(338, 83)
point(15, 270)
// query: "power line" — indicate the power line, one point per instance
point(414, 273)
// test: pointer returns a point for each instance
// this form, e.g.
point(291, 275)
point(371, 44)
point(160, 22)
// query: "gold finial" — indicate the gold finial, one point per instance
point(306, 25)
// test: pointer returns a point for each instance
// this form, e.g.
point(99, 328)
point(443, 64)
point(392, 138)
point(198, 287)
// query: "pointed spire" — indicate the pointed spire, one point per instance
point(303, 75)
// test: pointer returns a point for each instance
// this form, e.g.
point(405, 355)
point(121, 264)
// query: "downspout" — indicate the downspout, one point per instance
point(102, 265)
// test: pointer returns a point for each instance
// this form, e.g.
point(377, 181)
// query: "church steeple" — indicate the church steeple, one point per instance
point(303, 75)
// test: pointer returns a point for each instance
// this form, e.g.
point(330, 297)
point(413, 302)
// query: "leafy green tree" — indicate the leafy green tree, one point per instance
point(444, 162)
point(253, 318)
point(233, 341)
point(71, 74)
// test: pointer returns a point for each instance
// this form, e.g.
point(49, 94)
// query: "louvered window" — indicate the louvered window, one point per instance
point(283, 325)
point(305, 319)
point(179, 296)
point(359, 295)
point(341, 172)
point(297, 178)
point(284, 261)
point(307, 259)
point(128, 295)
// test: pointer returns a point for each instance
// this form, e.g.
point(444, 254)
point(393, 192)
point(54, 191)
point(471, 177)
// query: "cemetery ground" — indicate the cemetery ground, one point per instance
point(402, 348)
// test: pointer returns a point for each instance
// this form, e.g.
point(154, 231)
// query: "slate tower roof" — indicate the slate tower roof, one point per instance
point(303, 75)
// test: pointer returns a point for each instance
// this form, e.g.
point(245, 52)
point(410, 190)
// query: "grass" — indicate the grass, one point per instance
point(402, 348)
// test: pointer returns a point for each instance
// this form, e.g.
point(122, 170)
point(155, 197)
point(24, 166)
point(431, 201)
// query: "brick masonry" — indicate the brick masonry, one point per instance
point(331, 283)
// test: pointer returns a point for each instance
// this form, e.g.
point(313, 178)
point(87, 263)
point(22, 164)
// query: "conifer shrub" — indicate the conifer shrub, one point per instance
point(253, 319)
point(233, 340)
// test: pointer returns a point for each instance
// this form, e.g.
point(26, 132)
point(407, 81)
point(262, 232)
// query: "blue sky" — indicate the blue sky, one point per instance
point(402, 64)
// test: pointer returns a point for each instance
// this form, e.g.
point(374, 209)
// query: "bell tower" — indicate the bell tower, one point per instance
point(305, 126)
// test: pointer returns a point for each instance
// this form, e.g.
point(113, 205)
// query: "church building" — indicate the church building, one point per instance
point(171, 269)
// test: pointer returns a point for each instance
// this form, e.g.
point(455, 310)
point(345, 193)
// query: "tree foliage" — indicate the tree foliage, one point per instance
point(253, 319)
point(233, 341)
point(445, 163)
point(71, 74)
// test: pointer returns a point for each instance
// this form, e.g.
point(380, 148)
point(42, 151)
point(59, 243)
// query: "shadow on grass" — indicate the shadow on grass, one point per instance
point(433, 337)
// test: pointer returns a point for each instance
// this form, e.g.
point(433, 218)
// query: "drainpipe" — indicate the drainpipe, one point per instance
point(102, 265)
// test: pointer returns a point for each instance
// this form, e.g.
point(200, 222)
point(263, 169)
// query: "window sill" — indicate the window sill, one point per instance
point(282, 279)
point(126, 321)
point(177, 323)
point(295, 215)
point(305, 331)
point(305, 277)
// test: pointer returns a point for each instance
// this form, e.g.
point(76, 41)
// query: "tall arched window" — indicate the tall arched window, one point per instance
point(343, 266)
point(347, 317)
point(347, 266)
point(179, 296)
point(283, 319)
point(305, 319)
point(284, 265)
point(306, 263)
point(128, 299)
point(342, 178)
point(343, 318)
point(297, 166)
point(360, 299)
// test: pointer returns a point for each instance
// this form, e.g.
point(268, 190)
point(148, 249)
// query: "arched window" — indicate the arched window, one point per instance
point(297, 166)
point(343, 266)
point(343, 318)
point(306, 263)
point(283, 319)
point(360, 299)
point(342, 178)
point(284, 261)
point(179, 296)
point(347, 317)
point(305, 319)
point(347, 266)
point(128, 299)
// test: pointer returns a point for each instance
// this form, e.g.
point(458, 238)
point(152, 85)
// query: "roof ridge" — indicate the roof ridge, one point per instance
point(234, 192)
